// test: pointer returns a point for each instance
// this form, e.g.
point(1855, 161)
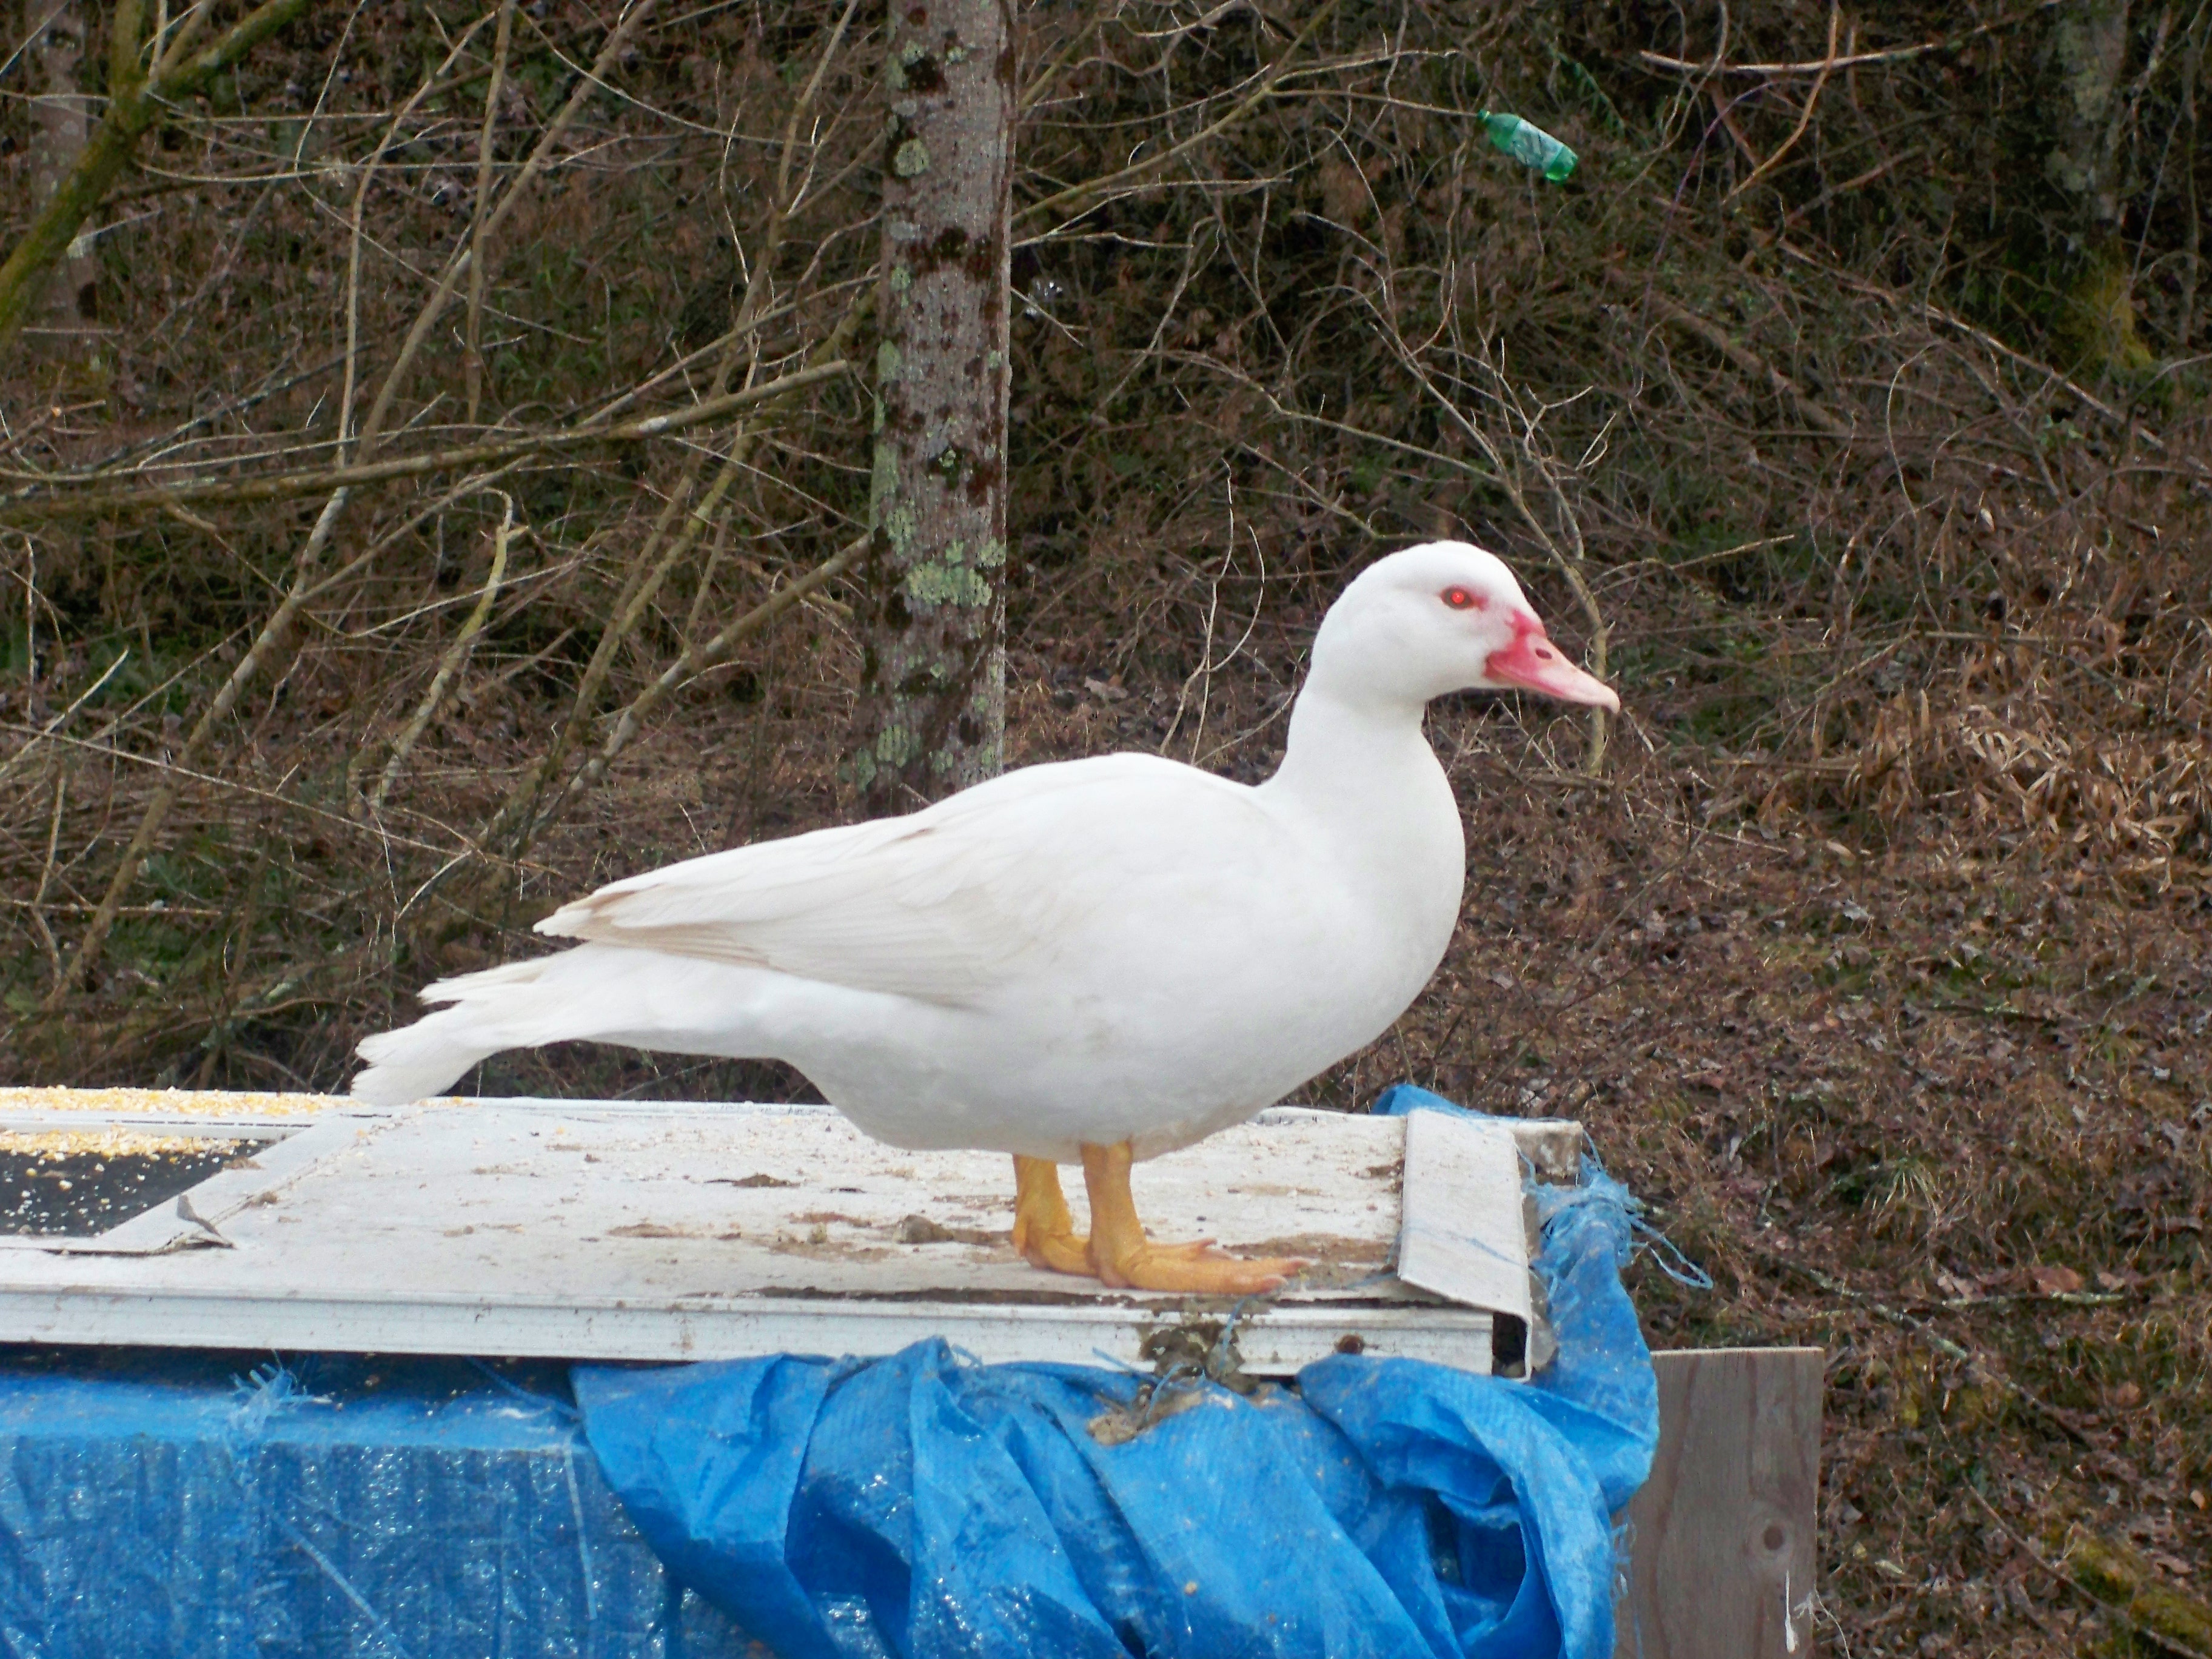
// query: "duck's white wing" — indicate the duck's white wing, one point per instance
point(946, 903)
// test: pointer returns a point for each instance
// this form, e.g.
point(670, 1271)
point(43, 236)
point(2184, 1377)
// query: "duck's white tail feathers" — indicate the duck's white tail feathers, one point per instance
point(416, 1061)
point(643, 998)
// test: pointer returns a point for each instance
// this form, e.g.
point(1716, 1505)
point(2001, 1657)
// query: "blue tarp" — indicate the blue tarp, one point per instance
point(925, 1506)
point(161, 1504)
point(916, 1505)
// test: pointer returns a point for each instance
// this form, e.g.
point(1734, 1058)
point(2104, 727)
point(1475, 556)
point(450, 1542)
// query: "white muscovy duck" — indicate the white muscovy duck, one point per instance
point(1097, 960)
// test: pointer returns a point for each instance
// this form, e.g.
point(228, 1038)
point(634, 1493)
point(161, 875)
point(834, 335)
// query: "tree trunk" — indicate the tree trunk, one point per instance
point(63, 323)
point(72, 196)
point(2097, 321)
point(932, 715)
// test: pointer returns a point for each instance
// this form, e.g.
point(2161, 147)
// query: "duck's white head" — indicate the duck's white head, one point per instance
point(1441, 617)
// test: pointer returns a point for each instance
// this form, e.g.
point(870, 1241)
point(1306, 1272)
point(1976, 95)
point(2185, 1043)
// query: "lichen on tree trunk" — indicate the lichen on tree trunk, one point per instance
point(932, 715)
point(2097, 321)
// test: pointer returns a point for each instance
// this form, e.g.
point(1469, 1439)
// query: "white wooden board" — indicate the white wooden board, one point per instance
point(604, 1229)
point(1462, 1233)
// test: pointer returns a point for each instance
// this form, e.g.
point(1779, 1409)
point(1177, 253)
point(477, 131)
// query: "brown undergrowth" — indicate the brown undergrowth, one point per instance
point(1873, 950)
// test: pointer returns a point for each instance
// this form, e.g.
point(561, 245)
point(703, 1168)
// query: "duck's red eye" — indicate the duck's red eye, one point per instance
point(1460, 598)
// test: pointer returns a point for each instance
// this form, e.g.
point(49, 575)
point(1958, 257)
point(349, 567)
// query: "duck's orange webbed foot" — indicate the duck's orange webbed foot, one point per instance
point(1124, 1259)
point(1044, 1229)
point(1197, 1268)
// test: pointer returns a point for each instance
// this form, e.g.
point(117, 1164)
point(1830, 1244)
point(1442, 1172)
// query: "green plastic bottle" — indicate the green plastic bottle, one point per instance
point(1529, 145)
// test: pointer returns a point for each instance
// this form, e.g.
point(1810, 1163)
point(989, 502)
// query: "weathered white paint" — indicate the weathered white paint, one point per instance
point(1462, 1233)
point(636, 1231)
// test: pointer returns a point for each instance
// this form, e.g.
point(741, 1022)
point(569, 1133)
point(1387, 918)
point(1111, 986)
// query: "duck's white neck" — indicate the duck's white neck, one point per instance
point(1338, 743)
point(1356, 755)
point(1359, 773)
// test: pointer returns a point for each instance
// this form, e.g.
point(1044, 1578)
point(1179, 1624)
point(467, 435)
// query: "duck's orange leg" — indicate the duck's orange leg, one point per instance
point(1125, 1259)
point(1044, 1231)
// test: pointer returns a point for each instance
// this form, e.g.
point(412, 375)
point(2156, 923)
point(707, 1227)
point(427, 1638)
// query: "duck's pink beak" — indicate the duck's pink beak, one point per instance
point(1533, 662)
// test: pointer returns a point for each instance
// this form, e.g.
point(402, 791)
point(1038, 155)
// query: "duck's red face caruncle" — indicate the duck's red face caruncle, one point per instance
point(1535, 664)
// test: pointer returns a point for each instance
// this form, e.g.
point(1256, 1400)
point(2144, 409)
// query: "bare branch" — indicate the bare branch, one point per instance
point(472, 351)
point(1138, 172)
point(130, 115)
point(456, 657)
point(291, 486)
point(1849, 60)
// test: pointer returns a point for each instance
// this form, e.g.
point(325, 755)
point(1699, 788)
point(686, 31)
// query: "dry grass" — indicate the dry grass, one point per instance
point(1873, 952)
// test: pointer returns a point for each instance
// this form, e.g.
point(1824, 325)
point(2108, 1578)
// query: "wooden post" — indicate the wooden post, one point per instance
point(1722, 1560)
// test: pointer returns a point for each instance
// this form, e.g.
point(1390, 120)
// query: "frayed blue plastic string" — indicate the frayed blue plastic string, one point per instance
point(1668, 1257)
point(265, 1391)
point(560, 1408)
point(1645, 1239)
